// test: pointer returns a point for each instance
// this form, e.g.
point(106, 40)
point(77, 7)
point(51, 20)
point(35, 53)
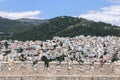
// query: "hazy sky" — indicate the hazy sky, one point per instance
point(98, 10)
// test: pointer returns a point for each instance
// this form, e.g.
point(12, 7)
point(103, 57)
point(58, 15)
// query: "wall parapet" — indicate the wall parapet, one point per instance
point(28, 72)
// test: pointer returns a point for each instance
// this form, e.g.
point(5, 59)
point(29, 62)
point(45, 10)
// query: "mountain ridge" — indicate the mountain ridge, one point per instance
point(67, 26)
point(8, 26)
point(35, 22)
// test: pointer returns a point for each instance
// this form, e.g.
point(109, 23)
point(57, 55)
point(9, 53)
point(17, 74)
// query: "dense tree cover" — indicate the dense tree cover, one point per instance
point(12, 26)
point(67, 27)
point(35, 22)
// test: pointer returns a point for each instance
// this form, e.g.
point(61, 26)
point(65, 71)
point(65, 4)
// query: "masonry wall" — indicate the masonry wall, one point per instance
point(28, 72)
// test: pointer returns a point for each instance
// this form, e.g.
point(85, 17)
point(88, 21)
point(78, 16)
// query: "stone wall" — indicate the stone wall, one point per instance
point(108, 72)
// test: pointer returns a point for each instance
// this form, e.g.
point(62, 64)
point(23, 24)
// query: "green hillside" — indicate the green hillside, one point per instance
point(35, 22)
point(12, 26)
point(68, 26)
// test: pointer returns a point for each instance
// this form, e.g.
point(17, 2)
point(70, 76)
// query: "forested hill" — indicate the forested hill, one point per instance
point(68, 27)
point(35, 22)
point(8, 26)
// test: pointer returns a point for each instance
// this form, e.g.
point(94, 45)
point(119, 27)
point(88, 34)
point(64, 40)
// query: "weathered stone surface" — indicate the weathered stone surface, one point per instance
point(108, 72)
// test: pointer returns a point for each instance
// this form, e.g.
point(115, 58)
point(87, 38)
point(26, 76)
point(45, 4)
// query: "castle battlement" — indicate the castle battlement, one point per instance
point(108, 72)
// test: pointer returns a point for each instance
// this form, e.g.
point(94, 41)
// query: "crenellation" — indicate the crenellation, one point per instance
point(28, 72)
